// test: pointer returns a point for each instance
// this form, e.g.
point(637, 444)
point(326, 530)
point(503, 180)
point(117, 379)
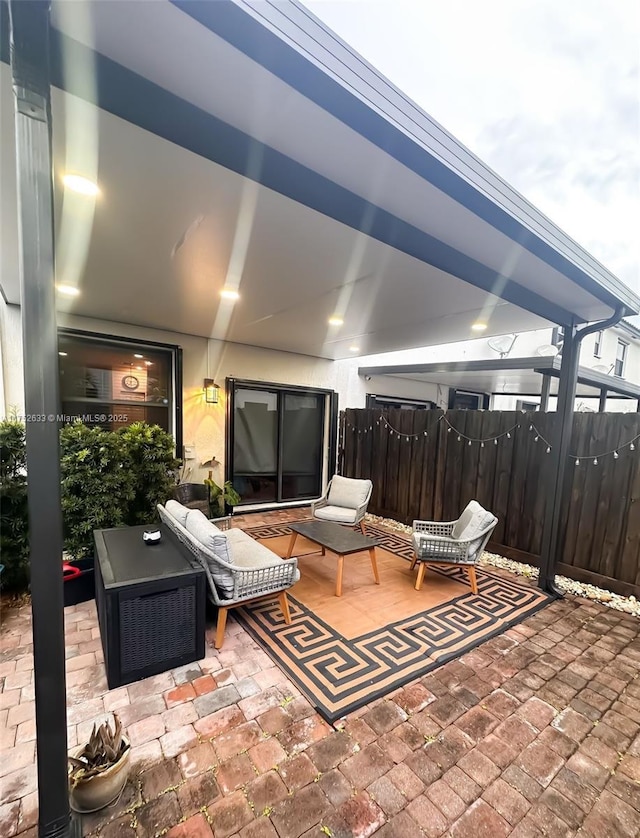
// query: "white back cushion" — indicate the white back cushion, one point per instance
point(177, 511)
point(216, 541)
point(348, 492)
point(477, 521)
point(208, 535)
point(468, 513)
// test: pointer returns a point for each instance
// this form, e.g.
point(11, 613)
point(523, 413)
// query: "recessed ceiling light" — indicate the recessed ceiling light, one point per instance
point(354, 349)
point(137, 355)
point(80, 184)
point(229, 294)
point(336, 321)
point(478, 327)
point(68, 290)
point(63, 354)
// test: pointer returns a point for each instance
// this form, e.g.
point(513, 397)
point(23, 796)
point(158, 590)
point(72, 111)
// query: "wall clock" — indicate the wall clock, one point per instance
point(130, 382)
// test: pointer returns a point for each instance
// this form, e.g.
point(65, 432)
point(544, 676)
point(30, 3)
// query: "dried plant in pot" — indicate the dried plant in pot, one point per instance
point(99, 769)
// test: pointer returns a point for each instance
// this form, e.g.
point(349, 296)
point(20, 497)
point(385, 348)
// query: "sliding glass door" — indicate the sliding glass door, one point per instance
point(278, 441)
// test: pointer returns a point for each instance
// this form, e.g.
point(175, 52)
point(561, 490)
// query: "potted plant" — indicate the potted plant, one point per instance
point(99, 769)
point(225, 495)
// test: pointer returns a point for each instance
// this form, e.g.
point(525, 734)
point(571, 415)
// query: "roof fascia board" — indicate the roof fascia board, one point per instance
point(544, 364)
point(143, 103)
point(239, 24)
point(540, 364)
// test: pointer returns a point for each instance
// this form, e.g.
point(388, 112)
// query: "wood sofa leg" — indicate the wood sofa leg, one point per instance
point(222, 622)
point(362, 527)
point(284, 607)
point(413, 562)
point(421, 571)
point(472, 579)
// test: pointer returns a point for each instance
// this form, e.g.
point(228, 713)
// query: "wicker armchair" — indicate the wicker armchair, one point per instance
point(254, 573)
point(458, 542)
point(344, 502)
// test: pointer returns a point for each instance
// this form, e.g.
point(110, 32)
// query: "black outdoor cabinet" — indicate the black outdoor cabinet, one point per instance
point(151, 604)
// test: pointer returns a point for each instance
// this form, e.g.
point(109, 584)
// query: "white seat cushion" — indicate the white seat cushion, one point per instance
point(340, 514)
point(250, 554)
point(348, 492)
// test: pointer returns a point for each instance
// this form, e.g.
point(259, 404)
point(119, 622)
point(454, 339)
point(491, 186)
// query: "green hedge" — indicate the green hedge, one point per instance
point(108, 479)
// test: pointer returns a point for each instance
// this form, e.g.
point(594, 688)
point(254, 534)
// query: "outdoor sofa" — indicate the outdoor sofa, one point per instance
point(239, 569)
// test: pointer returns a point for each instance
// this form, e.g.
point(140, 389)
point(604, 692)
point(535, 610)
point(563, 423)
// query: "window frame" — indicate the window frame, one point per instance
point(597, 347)
point(175, 351)
point(622, 361)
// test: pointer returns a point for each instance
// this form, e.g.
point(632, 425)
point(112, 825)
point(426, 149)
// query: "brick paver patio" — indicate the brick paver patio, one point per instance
point(534, 733)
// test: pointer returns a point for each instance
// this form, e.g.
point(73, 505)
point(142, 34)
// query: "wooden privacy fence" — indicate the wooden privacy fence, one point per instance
point(428, 473)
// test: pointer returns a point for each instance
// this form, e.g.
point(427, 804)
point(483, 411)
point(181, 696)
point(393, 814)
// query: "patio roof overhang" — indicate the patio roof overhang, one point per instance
point(507, 376)
point(276, 159)
point(320, 146)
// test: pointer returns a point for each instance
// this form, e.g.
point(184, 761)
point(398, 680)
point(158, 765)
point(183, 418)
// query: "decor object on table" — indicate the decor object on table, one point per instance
point(99, 769)
point(238, 569)
point(458, 542)
point(151, 536)
point(344, 502)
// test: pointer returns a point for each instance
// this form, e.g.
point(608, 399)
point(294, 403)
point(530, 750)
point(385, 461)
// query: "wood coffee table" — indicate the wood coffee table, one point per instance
point(339, 540)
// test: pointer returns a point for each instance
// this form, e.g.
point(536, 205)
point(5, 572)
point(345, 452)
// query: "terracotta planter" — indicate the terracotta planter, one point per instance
point(97, 792)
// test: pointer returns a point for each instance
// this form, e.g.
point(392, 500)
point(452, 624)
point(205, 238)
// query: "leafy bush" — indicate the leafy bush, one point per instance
point(97, 486)
point(14, 515)
point(108, 479)
point(147, 452)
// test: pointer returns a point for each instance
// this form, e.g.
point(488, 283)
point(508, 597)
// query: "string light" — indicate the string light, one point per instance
point(381, 420)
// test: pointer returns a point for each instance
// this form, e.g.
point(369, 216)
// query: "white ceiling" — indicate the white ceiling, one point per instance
point(171, 228)
point(294, 266)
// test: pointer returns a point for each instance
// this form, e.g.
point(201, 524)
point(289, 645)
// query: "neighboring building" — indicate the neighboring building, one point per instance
point(614, 353)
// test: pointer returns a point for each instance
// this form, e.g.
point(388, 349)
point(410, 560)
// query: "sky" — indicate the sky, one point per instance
point(545, 92)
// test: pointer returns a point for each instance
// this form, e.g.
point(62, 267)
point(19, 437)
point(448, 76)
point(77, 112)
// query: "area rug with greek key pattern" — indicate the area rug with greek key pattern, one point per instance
point(344, 652)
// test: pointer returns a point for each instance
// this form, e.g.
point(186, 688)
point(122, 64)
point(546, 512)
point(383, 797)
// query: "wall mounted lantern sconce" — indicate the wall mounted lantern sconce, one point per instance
point(211, 391)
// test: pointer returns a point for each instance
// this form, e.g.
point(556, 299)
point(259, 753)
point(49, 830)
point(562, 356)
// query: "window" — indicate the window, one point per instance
point(112, 383)
point(391, 402)
point(597, 348)
point(621, 357)
point(467, 400)
point(279, 440)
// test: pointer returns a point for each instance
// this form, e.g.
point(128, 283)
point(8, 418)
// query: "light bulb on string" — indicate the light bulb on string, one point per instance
point(449, 430)
point(469, 442)
point(508, 435)
point(577, 462)
point(548, 450)
point(482, 445)
point(459, 438)
point(632, 447)
point(595, 461)
point(615, 455)
point(536, 438)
